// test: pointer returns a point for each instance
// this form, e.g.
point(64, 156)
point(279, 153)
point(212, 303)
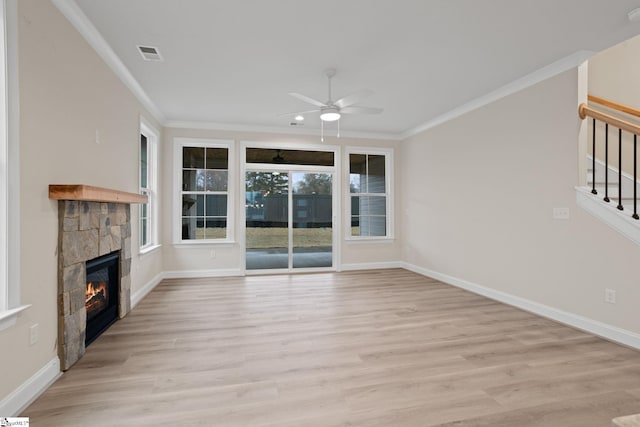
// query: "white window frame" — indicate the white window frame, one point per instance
point(179, 144)
point(151, 190)
point(388, 192)
point(9, 168)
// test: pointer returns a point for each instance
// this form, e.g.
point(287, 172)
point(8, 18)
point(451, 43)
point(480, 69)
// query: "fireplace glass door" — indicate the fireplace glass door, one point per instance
point(101, 294)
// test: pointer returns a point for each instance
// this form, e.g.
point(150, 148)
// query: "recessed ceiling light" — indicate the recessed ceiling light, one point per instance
point(299, 117)
point(150, 53)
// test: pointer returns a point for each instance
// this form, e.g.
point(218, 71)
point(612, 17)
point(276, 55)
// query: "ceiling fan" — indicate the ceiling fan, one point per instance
point(331, 110)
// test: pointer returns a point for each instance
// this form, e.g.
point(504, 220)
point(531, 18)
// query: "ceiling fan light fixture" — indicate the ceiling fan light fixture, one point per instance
point(330, 114)
point(299, 117)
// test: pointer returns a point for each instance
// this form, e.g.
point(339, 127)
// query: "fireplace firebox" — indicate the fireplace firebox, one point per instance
point(101, 300)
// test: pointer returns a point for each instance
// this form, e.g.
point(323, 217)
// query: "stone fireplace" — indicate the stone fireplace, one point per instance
point(92, 222)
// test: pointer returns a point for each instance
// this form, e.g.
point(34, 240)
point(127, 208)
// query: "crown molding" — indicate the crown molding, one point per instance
point(83, 25)
point(565, 64)
point(235, 127)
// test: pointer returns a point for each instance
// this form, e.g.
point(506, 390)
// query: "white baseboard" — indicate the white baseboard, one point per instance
point(18, 400)
point(140, 294)
point(371, 266)
point(604, 330)
point(188, 274)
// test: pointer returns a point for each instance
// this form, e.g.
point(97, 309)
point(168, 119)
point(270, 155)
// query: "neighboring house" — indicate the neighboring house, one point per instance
point(472, 198)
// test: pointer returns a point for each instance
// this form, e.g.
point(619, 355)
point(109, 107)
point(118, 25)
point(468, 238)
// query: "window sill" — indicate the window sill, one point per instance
point(148, 249)
point(197, 243)
point(8, 317)
point(369, 240)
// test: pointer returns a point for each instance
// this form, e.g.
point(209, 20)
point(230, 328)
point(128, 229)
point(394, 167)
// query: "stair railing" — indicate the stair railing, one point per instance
point(585, 111)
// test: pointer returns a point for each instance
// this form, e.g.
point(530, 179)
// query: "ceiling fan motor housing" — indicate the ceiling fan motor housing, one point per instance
point(329, 114)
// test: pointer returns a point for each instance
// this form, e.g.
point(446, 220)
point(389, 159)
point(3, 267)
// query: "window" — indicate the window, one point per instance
point(9, 168)
point(4, 174)
point(369, 193)
point(205, 194)
point(148, 225)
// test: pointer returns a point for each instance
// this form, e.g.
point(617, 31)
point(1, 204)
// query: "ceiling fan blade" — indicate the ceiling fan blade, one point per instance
point(361, 110)
point(307, 99)
point(298, 112)
point(353, 98)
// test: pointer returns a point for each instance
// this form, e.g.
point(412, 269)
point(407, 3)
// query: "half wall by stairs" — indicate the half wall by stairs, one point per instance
point(608, 212)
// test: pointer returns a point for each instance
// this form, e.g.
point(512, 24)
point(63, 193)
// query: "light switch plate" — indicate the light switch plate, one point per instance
point(560, 213)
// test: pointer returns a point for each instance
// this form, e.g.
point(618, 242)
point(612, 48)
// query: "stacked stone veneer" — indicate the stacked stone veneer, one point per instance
point(87, 230)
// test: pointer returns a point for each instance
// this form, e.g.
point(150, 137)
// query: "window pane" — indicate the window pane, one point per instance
point(376, 174)
point(144, 238)
point(216, 180)
point(143, 210)
point(217, 158)
point(198, 228)
point(190, 228)
point(215, 228)
point(357, 164)
point(357, 173)
point(375, 225)
point(355, 225)
point(356, 205)
point(192, 205)
point(376, 206)
point(193, 157)
point(193, 180)
point(216, 205)
point(368, 205)
point(143, 162)
point(289, 157)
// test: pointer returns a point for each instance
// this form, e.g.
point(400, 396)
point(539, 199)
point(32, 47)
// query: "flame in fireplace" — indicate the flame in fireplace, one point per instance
point(93, 290)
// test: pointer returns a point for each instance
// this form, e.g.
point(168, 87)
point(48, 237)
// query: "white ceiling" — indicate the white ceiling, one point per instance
point(232, 63)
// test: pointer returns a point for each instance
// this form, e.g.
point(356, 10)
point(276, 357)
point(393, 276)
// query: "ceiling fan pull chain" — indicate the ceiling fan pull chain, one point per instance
point(321, 130)
point(338, 128)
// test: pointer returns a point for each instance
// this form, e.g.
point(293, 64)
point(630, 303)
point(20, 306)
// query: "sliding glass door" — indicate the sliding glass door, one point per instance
point(267, 220)
point(311, 219)
point(289, 219)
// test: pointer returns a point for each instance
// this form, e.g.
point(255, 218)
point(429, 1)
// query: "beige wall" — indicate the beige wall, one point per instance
point(478, 194)
point(66, 94)
point(186, 258)
point(613, 73)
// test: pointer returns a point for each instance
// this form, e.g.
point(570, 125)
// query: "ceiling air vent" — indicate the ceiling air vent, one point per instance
point(150, 53)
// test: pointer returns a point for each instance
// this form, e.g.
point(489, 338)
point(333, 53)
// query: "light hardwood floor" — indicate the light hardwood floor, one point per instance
point(374, 348)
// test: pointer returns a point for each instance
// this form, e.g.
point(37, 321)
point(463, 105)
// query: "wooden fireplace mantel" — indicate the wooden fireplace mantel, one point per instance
point(89, 193)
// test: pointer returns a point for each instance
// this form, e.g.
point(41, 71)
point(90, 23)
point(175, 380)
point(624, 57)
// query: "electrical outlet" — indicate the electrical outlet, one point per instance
point(610, 296)
point(33, 334)
point(212, 254)
point(560, 213)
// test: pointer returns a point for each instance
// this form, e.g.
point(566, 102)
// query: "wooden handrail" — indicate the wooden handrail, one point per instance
point(614, 105)
point(584, 110)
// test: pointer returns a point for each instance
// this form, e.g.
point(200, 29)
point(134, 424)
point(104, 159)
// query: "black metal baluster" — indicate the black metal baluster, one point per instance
point(620, 207)
point(593, 158)
point(606, 163)
point(635, 177)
